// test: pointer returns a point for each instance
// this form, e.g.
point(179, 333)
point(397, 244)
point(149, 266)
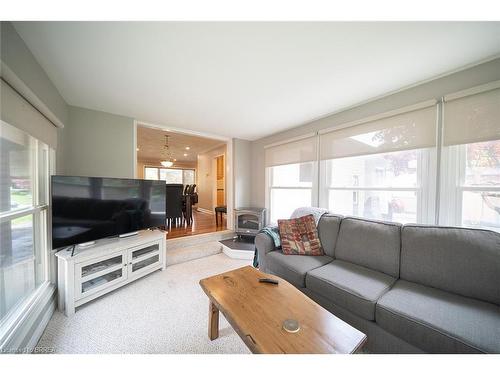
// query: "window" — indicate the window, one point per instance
point(381, 186)
point(390, 167)
point(291, 186)
point(24, 176)
point(170, 175)
point(291, 177)
point(474, 186)
point(470, 191)
point(382, 169)
point(151, 173)
point(188, 176)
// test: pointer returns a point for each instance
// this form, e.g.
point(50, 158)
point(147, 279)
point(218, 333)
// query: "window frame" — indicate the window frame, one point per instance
point(177, 168)
point(425, 189)
point(40, 173)
point(454, 187)
point(270, 187)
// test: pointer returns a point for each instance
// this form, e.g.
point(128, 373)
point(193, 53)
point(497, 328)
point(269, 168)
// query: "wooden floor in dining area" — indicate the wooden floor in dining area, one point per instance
point(202, 223)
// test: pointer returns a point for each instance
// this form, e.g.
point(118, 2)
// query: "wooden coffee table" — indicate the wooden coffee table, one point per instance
point(256, 311)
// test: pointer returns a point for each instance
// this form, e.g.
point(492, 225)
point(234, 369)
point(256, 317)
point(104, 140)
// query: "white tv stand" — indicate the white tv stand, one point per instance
point(109, 264)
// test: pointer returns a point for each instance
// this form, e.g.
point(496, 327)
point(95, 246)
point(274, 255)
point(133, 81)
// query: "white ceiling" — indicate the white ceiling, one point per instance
point(151, 144)
point(246, 80)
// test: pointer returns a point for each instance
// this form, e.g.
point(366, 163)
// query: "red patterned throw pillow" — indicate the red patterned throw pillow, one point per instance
point(300, 236)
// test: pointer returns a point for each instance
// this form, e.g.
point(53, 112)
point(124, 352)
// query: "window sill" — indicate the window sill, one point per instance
point(21, 321)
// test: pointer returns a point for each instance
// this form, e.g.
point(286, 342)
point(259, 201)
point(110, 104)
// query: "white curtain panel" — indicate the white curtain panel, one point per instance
point(297, 151)
point(16, 111)
point(402, 131)
point(472, 118)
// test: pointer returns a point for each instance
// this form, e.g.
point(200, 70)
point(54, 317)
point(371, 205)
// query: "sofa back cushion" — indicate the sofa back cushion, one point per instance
point(457, 260)
point(328, 230)
point(370, 243)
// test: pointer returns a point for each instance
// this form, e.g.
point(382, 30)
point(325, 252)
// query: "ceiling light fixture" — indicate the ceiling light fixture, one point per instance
point(168, 156)
point(187, 147)
point(185, 154)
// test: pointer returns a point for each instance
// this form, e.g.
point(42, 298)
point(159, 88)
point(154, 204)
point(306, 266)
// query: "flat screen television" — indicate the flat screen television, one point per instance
point(86, 209)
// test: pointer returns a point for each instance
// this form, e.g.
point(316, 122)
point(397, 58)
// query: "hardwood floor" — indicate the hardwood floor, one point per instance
point(202, 223)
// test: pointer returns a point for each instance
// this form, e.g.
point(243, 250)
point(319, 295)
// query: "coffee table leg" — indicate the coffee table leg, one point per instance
point(213, 321)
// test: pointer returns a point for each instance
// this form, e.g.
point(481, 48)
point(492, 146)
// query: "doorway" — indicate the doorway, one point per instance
point(207, 160)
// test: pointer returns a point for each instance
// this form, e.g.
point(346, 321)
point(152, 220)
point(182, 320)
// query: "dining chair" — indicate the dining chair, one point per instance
point(173, 204)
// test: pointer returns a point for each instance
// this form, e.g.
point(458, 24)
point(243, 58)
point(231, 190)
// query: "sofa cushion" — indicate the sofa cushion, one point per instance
point(457, 260)
point(350, 286)
point(293, 268)
point(439, 322)
point(370, 243)
point(299, 236)
point(328, 231)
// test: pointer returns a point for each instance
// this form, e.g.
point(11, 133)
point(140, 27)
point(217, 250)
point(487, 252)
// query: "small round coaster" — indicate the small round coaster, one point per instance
point(291, 325)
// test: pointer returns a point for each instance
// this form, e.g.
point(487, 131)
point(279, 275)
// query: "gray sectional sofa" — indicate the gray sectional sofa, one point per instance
point(410, 288)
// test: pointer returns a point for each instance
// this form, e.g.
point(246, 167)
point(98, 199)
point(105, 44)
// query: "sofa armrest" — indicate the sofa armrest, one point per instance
point(264, 245)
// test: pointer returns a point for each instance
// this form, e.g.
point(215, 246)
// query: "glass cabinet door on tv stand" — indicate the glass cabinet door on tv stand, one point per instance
point(143, 258)
point(97, 274)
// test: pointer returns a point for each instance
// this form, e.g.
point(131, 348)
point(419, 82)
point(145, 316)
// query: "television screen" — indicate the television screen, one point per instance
point(89, 208)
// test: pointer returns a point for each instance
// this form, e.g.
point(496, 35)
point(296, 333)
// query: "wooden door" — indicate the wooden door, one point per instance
point(220, 181)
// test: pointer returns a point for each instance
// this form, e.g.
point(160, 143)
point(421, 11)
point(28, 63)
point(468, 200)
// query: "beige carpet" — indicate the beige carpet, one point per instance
point(165, 312)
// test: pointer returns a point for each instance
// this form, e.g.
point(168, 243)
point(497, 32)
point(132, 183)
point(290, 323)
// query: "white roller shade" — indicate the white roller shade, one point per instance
point(472, 118)
point(402, 131)
point(16, 111)
point(298, 151)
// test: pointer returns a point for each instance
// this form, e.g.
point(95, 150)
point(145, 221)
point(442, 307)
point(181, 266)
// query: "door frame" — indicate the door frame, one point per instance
point(228, 162)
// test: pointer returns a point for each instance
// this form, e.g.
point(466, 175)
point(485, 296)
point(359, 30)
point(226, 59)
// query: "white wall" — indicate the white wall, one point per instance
point(434, 89)
point(242, 152)
point(205, 177)
point(97, 144)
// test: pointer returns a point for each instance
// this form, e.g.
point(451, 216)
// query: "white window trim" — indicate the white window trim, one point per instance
point(453, 185)
point(19, 314)
point(269, 188)
point(425, 189)
point(427, 180)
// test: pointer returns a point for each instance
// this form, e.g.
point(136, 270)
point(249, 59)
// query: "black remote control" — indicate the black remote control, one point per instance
point(269, 281)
